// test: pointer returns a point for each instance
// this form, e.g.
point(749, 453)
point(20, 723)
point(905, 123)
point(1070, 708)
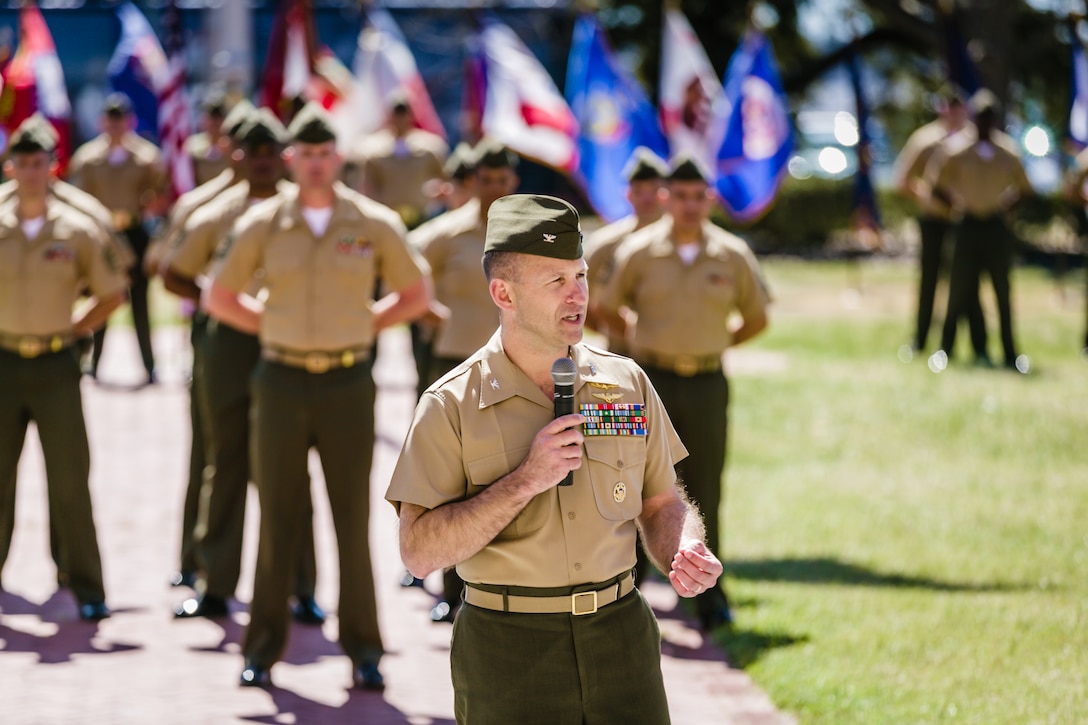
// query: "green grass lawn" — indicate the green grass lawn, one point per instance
point(904, 546)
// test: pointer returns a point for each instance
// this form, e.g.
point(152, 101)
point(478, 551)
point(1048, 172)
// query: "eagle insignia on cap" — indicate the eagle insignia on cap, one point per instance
point(549, 238)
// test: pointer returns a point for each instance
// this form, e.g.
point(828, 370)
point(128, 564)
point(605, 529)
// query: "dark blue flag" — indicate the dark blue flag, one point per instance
point(757, 136)
point(865, 213)
point(614, 118)
point(962, 71)
point(1078, 105)
point(137, 67)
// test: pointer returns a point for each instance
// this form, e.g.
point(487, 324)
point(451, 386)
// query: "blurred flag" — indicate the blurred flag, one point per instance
point(473, 93)
point(1078, 107)
point(138, 68)
point(288, 64)
point(614, 115)
point(34, 81)
point(174, 120)
point(757, 138)
point(383, 64)
point(865, 217)
point(689, 90)
point(962, 71)
point(522, 107)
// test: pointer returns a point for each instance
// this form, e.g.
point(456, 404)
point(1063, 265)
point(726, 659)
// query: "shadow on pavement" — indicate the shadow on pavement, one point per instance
point(359, 707)
point(63, 635)
point(744, 648)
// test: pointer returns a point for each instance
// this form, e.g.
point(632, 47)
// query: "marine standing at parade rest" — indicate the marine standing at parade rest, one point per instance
point(552, 629)
point(980, 177)
point(645, 173)
point(453, 244)
point(398, 164)
point(935, 220)
point(124, 172)
point(318, 250)
point(49, 253)
point(221, 381)
point(697, 290)
point(161, 249)
point(209, 149)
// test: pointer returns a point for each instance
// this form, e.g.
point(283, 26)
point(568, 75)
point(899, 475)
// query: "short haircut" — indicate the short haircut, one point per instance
point(500, 265)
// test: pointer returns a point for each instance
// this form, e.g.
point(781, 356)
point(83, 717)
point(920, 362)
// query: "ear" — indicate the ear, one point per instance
point(9, 169)
point(289, 156)
point(502, 294)
point(238, 155)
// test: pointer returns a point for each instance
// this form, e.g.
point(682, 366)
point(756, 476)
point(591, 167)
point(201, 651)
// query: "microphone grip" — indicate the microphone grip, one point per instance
point(564, 405)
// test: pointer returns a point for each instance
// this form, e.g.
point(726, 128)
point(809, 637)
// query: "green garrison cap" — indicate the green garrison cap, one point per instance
point(534, 224)
point(33, 135)
point(645, 165)
point(311, 124)
point(261, 127)
point(687, 168)
point(461, 162)
point(237, 117)
point(214, 103)
point(492, 154)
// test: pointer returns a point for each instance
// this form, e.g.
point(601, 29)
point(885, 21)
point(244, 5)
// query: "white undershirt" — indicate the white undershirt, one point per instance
point(688, 253)
point(31, 227)
point(117, 155)
point(400, 148)
point(985, 150)
point(317, 219)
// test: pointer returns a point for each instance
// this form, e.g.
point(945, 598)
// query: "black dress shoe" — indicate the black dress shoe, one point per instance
point(443, 612)
point(365, 676)
point(93, 611)
point(209, 606)
point(408, 579)
point(255, 676)
point(306, 611)
point(183, 579)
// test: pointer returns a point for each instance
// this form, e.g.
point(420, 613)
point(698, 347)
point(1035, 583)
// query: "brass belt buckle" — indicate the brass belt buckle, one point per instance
point(574, 603)
point(347, 359)
point(686, 365)
point(30, 347)
point(317, 363)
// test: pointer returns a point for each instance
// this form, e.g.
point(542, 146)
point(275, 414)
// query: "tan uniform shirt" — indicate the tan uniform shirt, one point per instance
point(117, 247)
point(40, 278)
point(1079, 173)
point(912, 160)
point(979, 176)
point(126, 187)
point(320, 290)
point(396, 178)
point(208, 159)
point(600, 250)
point(684, 309)
point(476, 425)
point(453, 245)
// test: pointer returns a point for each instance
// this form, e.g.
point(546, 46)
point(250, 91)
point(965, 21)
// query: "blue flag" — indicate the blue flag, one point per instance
point(757, 136)
point(614, 118)
point(1078, 106)
point(865, 214)
point(962, 71)
point(137, 67)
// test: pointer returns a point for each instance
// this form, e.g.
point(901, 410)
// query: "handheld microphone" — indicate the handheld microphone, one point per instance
point(564, 373)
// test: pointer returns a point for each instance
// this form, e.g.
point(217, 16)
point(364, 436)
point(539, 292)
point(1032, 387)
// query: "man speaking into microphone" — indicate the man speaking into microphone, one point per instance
point(552, 629)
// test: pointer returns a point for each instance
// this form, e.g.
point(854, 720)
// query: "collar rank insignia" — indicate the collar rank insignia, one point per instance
point(608, 397)
point(549, 238)
point(494, 384)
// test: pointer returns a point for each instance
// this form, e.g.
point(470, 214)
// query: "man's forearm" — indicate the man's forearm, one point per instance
point(96, 313)
point(664, 530)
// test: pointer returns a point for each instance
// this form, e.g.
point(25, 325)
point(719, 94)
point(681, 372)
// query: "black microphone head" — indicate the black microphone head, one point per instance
point(564, 371)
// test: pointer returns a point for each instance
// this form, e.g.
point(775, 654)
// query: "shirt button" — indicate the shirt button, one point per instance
point(571, 515)
point(619, 463)
point(577, 567)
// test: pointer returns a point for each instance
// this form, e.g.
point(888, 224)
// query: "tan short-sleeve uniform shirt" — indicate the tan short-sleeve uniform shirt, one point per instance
point(207, 158)
point(978, 175)
point(453, 245)
point(126, 187)
point(912, 160)
point(40, 278)
point(684, 309)
point(475, 426)
point(396, 177)
point(319, 289)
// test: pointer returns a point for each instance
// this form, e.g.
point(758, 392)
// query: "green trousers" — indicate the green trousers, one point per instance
point(294, 410)
point(558, 669)
point(230, 358)
point(198, 453)
point(45, 390)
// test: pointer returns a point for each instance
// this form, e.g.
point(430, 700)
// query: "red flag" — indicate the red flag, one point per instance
point(174, 122)
point(288, 67)
point(34, 81)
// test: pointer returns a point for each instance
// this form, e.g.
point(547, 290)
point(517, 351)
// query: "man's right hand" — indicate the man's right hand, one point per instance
point(556, 450)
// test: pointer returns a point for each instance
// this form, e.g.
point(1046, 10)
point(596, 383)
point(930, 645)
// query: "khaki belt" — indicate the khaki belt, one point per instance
point(317, 361)
point(31, 346)
point(683, 365)
point(575, 604)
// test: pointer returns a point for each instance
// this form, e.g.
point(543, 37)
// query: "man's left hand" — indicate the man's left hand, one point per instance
point(694, 569)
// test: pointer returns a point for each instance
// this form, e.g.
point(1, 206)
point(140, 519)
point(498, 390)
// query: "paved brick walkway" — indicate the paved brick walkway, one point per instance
point(142, 666)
